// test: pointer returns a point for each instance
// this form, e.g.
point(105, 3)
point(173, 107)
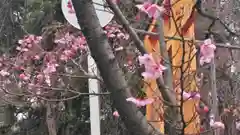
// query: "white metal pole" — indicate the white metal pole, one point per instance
point(94, 100)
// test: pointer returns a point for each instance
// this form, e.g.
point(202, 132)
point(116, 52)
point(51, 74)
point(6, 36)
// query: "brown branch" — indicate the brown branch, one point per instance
point(214, 19)
point(117, 12)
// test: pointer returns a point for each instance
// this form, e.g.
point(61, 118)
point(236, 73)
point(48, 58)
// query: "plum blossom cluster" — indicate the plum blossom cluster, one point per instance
point(152, 10)
point(207, 51)
point(115, 32)
point(38, 72)
point(73, 44)
point(201, 108)
point(153, 69)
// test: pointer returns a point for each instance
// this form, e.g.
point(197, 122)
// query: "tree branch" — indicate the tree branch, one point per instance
point(214, 19)
point(127, 26)
point(167, 95)
point(109, 69)
point(219, 45)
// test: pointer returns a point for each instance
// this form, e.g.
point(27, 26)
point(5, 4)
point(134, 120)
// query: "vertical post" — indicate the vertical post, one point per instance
point(93, 86)
point(183, 59)
point(167, 78)
point(214, 89)
point(214, 94)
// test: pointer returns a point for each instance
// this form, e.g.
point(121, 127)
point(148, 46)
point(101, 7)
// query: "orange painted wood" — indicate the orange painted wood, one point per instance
point(186, 26)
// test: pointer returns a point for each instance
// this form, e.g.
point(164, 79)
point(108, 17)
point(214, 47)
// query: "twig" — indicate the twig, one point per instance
point(214, 19)
point(117, 12)
point(164, 89)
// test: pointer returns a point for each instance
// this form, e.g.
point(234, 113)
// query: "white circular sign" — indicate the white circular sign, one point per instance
point(103, 14)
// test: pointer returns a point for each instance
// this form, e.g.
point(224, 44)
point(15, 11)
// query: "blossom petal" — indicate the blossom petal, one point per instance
point(116, 114)
point(217, 125)
point(140, 103)
point(186, 95)
point(148, 75)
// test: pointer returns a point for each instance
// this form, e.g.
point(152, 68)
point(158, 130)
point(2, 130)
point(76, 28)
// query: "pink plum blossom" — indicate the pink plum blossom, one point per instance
point(190, 95)
point(186, 95)
point(146, 59)
point(116, 114)
point(196, 96)
point(217, 124)
point(152, 10)
point(4, 73)
point(207, 51)
point(51, 68)
point(238, 125)
point(139, 102)
point(24, 77)
point(153, 70)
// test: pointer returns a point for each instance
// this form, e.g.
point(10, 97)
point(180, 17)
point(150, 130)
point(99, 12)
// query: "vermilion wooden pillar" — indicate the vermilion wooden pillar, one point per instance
point(154, 111)
point(183, 17)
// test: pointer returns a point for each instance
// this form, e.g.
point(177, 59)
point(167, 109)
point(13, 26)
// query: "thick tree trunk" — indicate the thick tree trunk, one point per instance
point(109, 68)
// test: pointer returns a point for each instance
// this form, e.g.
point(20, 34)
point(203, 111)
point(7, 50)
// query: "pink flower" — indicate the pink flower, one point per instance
point(25, 50)
point(19, 48)
point(207, 51)
point(187, 96)
point(153, 10)
point(4, 73)
point(217, 124)
point(146, 59)
point(139, 102)
point(51, 68)
point(36, 57)
point(48, 80)
point(153, 70)
point(64, 57)
point(20, 42)
point(116, 114)
point(40, 77)
point(196, 96)
point(23, 77)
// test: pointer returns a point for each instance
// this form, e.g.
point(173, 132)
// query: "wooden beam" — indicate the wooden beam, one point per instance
point(219, 45)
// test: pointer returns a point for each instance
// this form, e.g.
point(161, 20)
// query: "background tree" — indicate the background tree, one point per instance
point(66, 100)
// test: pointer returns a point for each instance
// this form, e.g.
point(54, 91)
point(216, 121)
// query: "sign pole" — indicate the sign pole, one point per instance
point(94, 103)
point(104, 18)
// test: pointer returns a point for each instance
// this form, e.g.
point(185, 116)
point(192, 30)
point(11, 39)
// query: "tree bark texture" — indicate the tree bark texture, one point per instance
point(109, 69)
